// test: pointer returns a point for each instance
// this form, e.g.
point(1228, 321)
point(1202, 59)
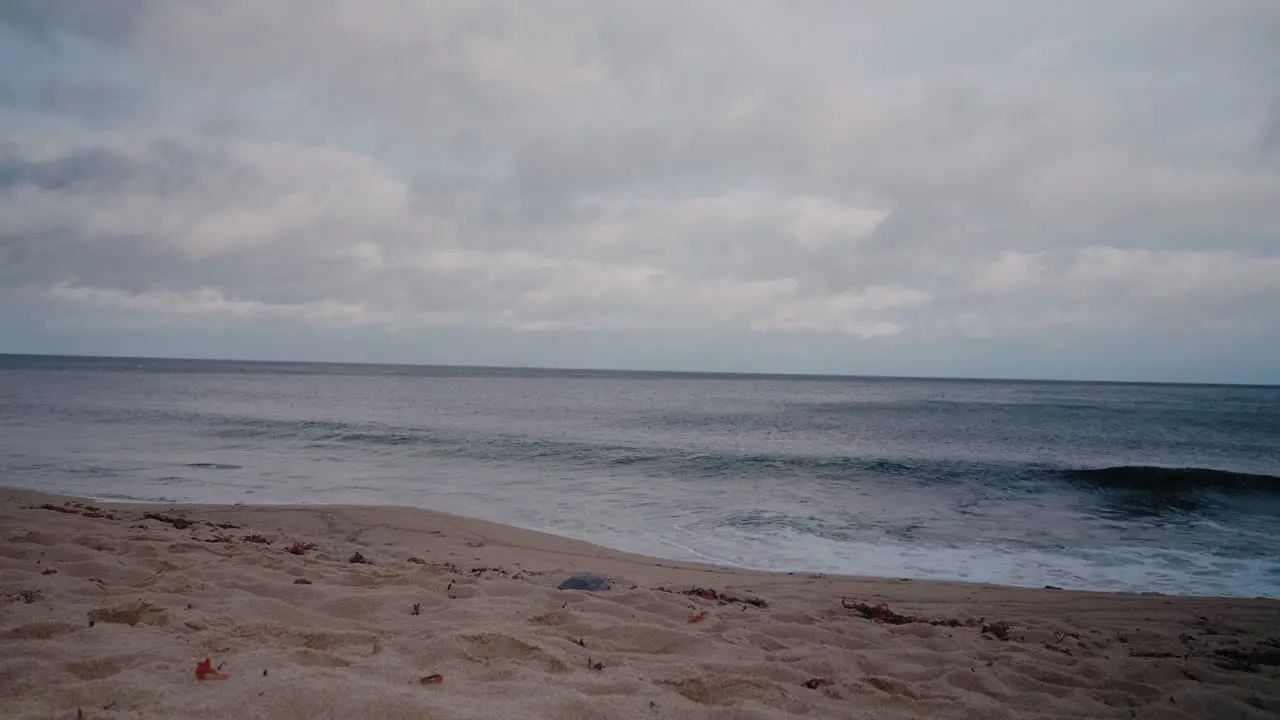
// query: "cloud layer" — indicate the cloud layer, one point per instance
point(871, 180)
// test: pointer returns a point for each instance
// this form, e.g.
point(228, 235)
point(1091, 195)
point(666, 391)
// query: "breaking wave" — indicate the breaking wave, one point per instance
point(1146, 478)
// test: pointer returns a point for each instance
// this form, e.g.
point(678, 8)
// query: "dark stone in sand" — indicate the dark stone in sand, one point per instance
point(585, 581)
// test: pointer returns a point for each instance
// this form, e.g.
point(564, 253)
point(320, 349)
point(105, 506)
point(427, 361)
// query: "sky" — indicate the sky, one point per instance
point(999, 188)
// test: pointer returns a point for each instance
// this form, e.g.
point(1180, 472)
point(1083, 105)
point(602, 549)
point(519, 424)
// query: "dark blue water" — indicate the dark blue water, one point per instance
point(1025, 483)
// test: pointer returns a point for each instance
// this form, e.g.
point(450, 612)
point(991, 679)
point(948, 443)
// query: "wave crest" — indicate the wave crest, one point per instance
point(1150, 478)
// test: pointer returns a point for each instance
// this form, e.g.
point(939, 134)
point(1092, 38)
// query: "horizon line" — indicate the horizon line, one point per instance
point(687, 373)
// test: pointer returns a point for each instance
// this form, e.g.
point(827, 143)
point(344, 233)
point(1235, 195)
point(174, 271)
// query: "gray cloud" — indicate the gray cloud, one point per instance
point(894, 176)
point(59, 97)
point(1269, 138)
point(111, 21)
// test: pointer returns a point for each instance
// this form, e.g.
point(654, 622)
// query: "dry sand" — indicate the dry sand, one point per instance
point(508, 644)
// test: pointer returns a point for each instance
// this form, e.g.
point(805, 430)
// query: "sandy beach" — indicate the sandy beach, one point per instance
point(312, 612)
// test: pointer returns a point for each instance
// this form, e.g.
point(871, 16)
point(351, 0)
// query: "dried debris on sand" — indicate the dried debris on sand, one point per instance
point(884, 615)
point(179, 523)
point(76, 508)
point(718, 597)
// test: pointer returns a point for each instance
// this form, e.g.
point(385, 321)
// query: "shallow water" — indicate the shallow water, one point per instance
point(1023, 483)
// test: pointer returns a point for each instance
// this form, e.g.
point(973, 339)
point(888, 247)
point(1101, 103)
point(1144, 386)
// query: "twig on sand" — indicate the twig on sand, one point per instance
point(715, 596)
point(75, 508)
point(884, 615)
point(179, 523)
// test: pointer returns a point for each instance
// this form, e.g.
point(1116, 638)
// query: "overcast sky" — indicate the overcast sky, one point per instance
point(1025, 188)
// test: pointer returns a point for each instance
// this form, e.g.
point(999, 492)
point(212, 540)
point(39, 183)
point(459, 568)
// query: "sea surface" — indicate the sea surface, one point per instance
point(1165, 488)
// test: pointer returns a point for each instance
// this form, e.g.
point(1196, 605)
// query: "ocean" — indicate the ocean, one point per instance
point(1160, 488)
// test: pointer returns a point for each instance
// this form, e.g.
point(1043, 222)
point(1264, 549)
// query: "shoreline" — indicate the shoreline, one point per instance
point(320, 636)
point(705, 562)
